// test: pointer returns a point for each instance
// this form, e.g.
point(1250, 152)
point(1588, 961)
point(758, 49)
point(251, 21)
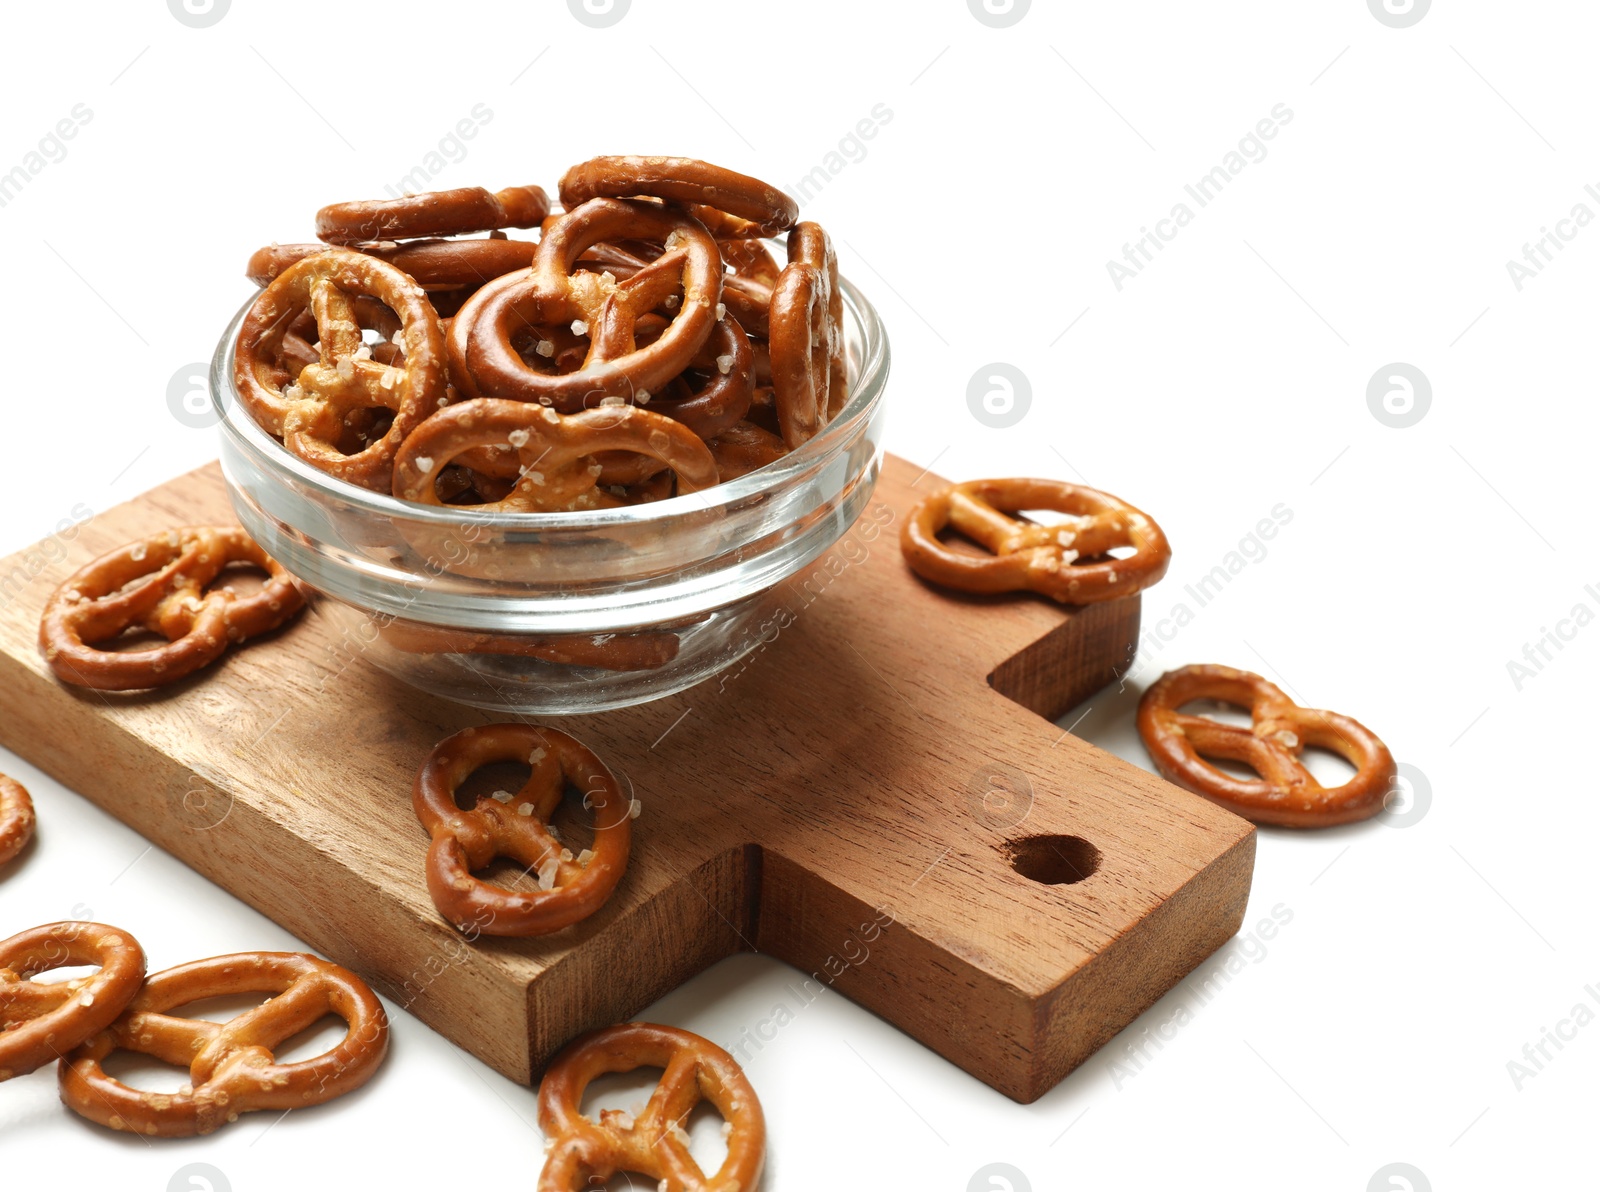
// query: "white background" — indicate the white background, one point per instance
point(1227, 377)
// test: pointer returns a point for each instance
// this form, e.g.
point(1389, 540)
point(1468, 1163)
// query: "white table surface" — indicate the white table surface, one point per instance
point(1226, 377)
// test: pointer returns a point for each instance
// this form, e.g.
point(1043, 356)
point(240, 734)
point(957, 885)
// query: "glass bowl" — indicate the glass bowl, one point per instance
point(560, 613)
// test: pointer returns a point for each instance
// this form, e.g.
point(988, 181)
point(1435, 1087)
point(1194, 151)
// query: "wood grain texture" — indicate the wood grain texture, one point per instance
point(850, 798)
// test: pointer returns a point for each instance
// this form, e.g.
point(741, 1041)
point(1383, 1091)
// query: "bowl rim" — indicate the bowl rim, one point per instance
point(871, 382)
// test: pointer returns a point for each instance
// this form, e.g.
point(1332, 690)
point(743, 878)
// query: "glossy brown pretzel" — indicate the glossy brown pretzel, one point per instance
point(231, 1064)
point(517, 826)
point(1285, 793)
point(743, 448)
point(807, 336)
point(750, 261)
point(682, 180)
point(1068, 561)
point(315, 413)
point(41, 1021)
point(750, 302)
point(585, 1154)
point(456, 212)
point(688, 275)
point(432, 264)
point(298, 347)
point(556, 452)
point(16, 818)
point(724, 399)
point(160, 585)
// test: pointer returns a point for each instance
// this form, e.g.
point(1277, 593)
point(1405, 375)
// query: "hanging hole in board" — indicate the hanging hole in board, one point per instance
point(1053, 860)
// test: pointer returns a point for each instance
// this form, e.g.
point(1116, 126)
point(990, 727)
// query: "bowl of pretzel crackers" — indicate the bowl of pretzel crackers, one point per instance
point(557, 470)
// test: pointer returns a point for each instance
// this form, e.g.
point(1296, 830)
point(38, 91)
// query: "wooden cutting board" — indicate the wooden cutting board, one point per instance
point(874, 797)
